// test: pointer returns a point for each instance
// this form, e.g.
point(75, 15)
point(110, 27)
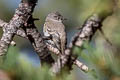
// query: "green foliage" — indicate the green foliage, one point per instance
point(103, 62)
point(18, 67)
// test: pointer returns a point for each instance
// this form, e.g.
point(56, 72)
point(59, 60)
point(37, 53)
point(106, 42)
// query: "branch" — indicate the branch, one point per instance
point(22, 13)
point(31, 33)
point(22, 16)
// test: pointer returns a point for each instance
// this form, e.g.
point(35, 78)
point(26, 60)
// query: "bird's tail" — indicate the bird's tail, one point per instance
point(63, 44)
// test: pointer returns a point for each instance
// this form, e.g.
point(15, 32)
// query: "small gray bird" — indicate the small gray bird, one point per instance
point(55, 28)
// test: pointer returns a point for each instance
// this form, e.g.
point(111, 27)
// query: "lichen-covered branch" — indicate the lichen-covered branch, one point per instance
point(22, 13)
point(36, 40)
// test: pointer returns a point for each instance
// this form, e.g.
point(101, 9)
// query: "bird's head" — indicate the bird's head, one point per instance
point(55, 16)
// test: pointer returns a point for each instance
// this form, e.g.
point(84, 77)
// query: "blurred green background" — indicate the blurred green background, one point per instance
point(22, 63)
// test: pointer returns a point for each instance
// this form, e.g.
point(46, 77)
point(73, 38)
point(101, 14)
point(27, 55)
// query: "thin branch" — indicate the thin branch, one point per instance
point(82, 66)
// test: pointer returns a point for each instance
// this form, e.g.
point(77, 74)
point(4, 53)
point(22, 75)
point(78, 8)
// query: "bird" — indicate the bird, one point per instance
point(54, 28)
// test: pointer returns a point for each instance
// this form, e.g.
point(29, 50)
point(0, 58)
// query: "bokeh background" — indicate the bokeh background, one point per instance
point(22, 62)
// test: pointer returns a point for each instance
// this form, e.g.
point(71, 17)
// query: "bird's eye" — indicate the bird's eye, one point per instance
point(56, 17)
